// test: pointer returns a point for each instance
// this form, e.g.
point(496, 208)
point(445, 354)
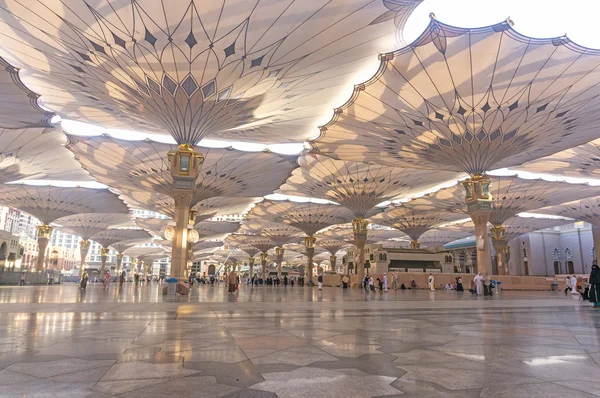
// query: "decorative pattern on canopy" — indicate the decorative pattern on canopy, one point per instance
point(345, 233)
point(140, 251)
point(110, 237)
point(19, 107)
point(357, 186)
point(48, 203)
point(470, 100)
point(517, 226)
point(307, 217)
point(216, 229)
point(140, 169)
point(36, 153)
point(280, 234)
point(87, 225)
point(155, 226)
point(239, 70)
point(123, 245)
point(262, 243)
point(510, 196)
point(441, 236)
point(582, 162)
point(331, 245)
point(414, 224)
point(587, 209)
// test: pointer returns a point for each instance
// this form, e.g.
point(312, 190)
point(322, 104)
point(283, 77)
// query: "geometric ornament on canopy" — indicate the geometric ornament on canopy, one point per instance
point(413, 223)
point(37, 153)
point(470, 100)
point(239, 70)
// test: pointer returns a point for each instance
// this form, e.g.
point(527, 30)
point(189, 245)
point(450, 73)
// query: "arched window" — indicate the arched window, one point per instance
point(568, 253)
point(556, 253)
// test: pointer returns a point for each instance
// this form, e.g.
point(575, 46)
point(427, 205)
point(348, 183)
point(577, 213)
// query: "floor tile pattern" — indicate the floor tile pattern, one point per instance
point(294, 342)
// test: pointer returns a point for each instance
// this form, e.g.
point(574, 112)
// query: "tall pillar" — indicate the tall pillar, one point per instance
point(359, 227)
point(179, 253)
point(84, 248)
point(415, 244)
point(279, 251)
point(309, 242)
point(333, 260)
point(119, 263)
point(501, 248)
point(103, 255)
point(263, 262)
point(596, 239)
point(43, 237)
point(479, 202)
point(184, 167)
point(251, 267)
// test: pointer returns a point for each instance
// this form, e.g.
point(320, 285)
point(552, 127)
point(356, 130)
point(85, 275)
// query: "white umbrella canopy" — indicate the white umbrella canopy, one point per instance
point(87, 225)
point(261, 72)
point(469, 100)
point(49, 203)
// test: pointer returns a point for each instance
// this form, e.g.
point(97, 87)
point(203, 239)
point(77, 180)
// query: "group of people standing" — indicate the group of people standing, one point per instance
point(586, 288)
point(382, 283)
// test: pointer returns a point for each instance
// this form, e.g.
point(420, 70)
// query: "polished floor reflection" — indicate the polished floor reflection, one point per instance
point(300, 342)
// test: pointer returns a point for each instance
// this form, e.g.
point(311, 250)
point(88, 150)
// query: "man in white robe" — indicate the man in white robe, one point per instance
point(479, 283)
point(385, 282)
point(431, 282)
point(574, 285)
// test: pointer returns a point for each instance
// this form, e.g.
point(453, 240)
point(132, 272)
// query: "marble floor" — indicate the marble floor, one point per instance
point(60, 341)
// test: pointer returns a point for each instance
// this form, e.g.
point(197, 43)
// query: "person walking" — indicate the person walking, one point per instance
point(394, 281)
point(320, 282)
point(107, 280)
point(385, 282)
point(121, 279)
point(568, 285)
point(285, 281)
point(594, 281)
point(232, 281)
point(431, 282)
point(22, 283)
point(574, 284)
point(84, 281)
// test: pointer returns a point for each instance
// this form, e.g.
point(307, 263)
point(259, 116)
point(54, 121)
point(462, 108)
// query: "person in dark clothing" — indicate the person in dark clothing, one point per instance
point(595, 285)
point(402, 287)
point(459, 285)
point(380, 284)
point(285, 281)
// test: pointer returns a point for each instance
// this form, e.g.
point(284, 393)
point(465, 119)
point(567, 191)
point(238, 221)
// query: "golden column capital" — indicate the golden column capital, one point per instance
point(415, 244)
point(498, 232)
point(360, 226)
point(44, 231)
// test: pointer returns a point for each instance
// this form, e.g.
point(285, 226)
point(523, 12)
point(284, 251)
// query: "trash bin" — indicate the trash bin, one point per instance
point(554, 287)
point(171, 286)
